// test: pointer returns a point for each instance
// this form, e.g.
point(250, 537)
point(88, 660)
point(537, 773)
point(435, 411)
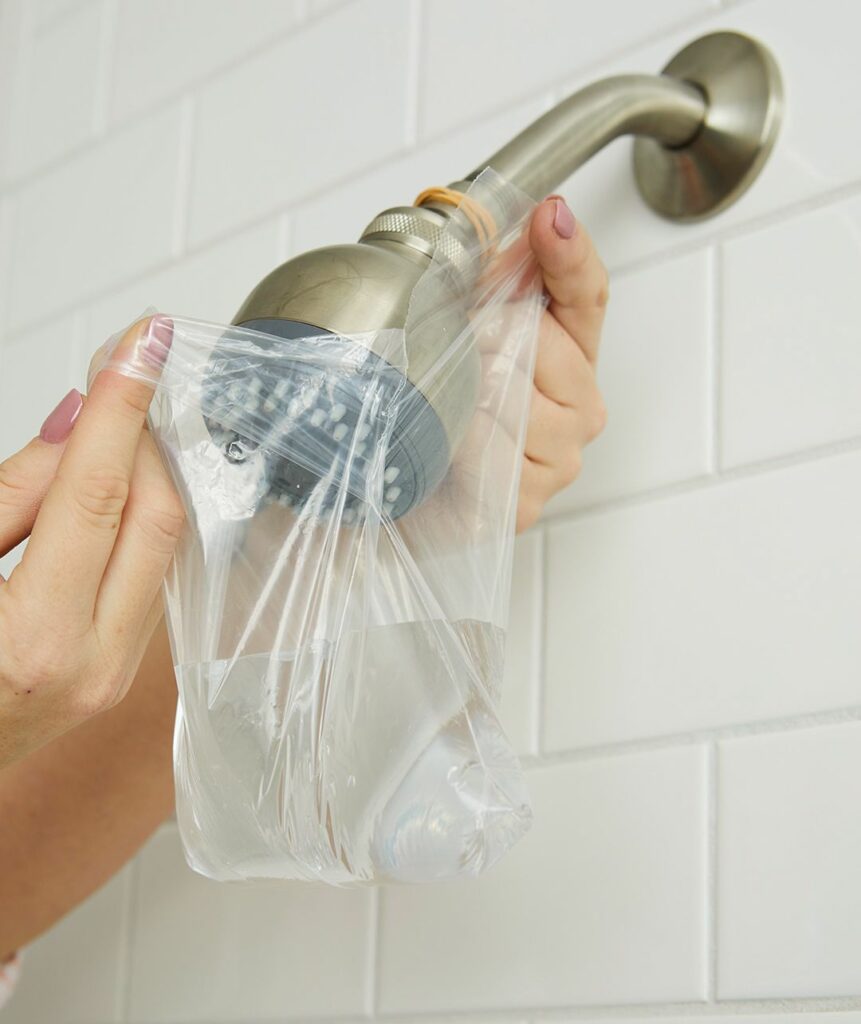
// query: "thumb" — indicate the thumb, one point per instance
point(26, 476)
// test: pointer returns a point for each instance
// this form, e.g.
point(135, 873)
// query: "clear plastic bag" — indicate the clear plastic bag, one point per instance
point(338, 603)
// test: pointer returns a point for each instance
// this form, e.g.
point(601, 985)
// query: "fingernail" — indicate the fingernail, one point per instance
point(563, 219)
point(58, 425)
point(158, 341)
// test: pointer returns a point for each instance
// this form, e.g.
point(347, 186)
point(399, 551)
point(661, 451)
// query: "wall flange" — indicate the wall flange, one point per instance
point(744, 102)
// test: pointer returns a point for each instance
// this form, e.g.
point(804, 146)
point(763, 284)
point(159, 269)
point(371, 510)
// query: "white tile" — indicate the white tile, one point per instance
point(210, 285)
point(36, 371)
point(791, 358)
point(523, 646)
point(342, 213)
point(208, 951)
point(603, 902)
point(73, 974)
point(735, 603)
point(56, 91)
point(7, 214)
point(300, 116)
point(814, 153)
point(46, 12)
point(11, 32)
point(479, 58)
point(96, 220)
point(163, 46)
point(789, 847)
point(318, 7)
point(654, 372)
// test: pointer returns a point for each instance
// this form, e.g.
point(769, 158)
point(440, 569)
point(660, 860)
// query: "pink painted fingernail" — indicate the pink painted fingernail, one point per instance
point(563, 219)
point(158, 341)
point(58, 425)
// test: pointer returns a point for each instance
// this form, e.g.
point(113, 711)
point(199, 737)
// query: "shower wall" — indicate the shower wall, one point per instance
point(684, 675)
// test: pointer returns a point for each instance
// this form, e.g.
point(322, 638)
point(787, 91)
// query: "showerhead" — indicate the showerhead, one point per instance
point(327, 418)
point(329, 411)
point(705, 125)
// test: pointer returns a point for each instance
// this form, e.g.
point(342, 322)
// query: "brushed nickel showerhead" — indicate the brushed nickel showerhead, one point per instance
point(706, 126)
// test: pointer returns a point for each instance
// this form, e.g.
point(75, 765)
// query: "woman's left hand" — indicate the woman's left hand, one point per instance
point(567, 410)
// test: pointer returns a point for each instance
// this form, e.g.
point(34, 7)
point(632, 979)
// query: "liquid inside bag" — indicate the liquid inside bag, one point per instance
point(339, 652)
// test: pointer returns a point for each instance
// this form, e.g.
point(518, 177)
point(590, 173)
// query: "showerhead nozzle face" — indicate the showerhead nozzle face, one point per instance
point(344, 431)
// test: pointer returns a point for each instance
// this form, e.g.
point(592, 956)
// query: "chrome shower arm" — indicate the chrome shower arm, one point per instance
point(547, 152)
point(705, 127)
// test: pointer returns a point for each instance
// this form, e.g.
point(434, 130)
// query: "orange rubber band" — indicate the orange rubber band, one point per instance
point(480, 218)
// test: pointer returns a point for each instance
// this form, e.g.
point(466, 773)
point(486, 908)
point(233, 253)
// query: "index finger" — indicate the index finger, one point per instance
point(76, 528)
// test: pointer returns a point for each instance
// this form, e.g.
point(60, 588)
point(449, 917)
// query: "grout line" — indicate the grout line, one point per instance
point(758, 728)
point(591, 1012)
point(712, 870)
point(561, 85)
point(219, 238)
point(696, 485)
point(297, 27)
point(788, 211)
point(634, 1011)
point(539, 667)
point(785, 213)
point(182, 197)
point(105, 64)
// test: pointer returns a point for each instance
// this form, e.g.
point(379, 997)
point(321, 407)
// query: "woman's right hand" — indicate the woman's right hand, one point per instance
point(103, 520)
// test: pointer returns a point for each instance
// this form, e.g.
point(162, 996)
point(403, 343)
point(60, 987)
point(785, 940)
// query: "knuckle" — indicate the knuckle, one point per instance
point(14, 485)
point(104, 685)
point(100, 497)
point(135, 397)
point(122, 397)
point(162, 524)
point(97, 696)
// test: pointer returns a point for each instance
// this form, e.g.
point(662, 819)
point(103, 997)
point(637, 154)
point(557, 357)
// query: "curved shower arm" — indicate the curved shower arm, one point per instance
point(562, 140)
point(705, 128)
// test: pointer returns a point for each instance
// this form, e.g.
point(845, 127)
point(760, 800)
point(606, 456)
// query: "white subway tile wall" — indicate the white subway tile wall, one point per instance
point(260, 141)
point(656, 376)
point(200, 947)
point(683, 660)
point(95, 221)
point(728, 604)
point(791, 363)
point(58, 74)
point(789, 835)
point(603, 902)
point(76, 973)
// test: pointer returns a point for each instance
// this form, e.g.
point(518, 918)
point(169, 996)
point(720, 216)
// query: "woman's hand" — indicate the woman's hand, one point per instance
point(103, 520)
point(567, 410)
